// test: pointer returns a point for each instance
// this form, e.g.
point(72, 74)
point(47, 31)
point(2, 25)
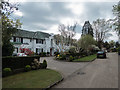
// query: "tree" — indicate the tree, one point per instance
point(116, 21)
point(66, 36)
point(106, 45)
point(9, 26)
point(86, 42)
point(101, 29)
point(112, 43)
point(117, 44)
point(87, 28)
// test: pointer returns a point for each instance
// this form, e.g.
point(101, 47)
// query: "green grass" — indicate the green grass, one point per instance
point(87, 58)
point(32, 79)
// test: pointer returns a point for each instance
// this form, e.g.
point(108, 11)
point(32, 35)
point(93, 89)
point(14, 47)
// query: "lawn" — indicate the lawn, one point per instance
point(32, 79)
point(87, 58)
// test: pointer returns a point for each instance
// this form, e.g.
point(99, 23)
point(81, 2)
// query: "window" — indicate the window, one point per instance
point(39, 41)
point(18, 39)
point(42, 50)
point(39, 50)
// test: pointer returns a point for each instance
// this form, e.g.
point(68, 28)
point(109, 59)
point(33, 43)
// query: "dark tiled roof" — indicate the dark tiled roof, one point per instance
point(29, 34)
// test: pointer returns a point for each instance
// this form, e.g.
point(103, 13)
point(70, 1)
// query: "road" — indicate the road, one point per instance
point(101, 73)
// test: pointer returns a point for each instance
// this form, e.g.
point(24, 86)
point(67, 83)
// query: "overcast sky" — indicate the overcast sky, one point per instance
point(46, 16)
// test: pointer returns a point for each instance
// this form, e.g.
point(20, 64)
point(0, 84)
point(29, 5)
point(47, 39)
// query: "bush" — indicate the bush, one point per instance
point(72, 49)
point(48, 53)
point(27, 68)
point(43, 54)
point(35, 64)
point(71, 58)
point(17, 62)
point(7, 71)
point(56, 53)
point(7, 49)
point(44, 64)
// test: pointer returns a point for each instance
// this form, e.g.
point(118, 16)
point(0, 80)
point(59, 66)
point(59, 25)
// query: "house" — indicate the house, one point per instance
point(35, 41)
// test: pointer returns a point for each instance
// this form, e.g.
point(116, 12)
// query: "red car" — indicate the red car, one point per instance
point(101, 54)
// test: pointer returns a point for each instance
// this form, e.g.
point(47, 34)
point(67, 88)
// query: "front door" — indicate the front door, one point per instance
point(50, 51)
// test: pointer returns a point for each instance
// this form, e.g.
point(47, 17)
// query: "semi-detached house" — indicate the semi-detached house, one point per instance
point(35, 41)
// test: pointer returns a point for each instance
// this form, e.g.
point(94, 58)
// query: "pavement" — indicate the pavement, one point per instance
point(101, 73)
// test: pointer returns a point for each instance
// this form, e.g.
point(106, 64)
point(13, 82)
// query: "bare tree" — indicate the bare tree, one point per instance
point(101, 29)
point(66, 35)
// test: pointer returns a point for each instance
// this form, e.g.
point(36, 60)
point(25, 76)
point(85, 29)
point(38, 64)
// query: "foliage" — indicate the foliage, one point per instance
point(86, 41)
point(87, 29)
point(106, 45)
point(101, 29)
point(71, 58)
point(35, 64)
point(26, 51)
point(44, 64)
point(42, 54)
point(66, 36)
point(56, 53)
point(116, 21)
point(7, 71)
point(17, 62)
point(9, 25)
point(117, 44)
point(112, 43)
point(27, 68)
point(7, 49)
point(72, 49)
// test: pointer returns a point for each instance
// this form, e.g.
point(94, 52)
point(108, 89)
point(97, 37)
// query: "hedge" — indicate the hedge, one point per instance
point(17, 62)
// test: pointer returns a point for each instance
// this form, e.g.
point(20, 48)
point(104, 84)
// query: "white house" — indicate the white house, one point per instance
point(35, 41)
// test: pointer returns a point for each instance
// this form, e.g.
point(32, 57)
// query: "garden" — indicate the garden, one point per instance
point(73, 56)
point(29, 70)
point(33, 79)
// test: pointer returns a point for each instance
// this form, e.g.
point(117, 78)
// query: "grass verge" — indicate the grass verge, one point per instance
point(32, 79)
point(86, 59)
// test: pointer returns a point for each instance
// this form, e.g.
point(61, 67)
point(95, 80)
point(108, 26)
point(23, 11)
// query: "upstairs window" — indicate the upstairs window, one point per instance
point(39, 41)
point(17, 39)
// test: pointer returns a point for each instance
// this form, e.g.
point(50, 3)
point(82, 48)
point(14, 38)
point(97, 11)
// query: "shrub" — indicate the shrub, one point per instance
point(7, 71)
point(48, 53)
point(72, 49)
point(56, 53)
point(35, 64)
point(44, 64)
point(17, 62)
point(71, 58)
point(27, 68)
point(43, 54)
point(7, 49)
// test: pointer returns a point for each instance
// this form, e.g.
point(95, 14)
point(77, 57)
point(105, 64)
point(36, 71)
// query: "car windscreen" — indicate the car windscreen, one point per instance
point(100, 52)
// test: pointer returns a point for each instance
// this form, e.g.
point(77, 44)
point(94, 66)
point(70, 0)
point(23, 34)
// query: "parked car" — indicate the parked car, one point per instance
point(14, 54)
point(101, 54)
point(21, 54)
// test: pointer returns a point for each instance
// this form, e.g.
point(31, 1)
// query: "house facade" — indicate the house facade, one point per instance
point(35, 41)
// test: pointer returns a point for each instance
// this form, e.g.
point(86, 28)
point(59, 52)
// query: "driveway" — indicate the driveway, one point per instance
point(101, 73)
point(65, 68)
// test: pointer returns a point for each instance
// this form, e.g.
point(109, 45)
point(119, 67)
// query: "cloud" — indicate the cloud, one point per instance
point(46, 16)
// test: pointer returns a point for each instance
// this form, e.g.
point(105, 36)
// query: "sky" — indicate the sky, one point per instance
point(46, 16)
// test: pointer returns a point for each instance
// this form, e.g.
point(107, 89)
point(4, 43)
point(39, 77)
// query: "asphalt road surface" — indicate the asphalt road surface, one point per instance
point(101, 73)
